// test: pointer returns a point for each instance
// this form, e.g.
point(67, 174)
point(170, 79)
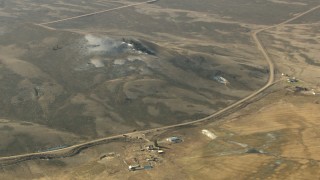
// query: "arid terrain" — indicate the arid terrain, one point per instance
point(274, 137)
point(72, 72)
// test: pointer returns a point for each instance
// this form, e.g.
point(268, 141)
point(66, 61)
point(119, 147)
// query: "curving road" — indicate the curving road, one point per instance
point(75, 149)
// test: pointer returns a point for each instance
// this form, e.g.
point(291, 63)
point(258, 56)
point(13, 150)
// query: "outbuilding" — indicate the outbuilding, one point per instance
point(174, 139)
point(134, 167)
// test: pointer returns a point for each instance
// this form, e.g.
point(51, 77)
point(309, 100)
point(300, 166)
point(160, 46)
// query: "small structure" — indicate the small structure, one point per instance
point(299, 89)
point(134, 167)
point(153, 146)
point(147, 167)
point(150, 147)
point(292, 80)
point(161, 151)
point(174, 140)
point(152, 159)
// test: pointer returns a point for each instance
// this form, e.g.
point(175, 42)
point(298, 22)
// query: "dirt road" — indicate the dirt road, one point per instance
point(94, 13)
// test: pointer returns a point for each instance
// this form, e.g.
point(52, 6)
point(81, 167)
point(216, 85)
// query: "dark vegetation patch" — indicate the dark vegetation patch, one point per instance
point(309, 60)
point(6, 128)
point(143, 46)
point(71, 119)
point(21, 143)
point(253, 151)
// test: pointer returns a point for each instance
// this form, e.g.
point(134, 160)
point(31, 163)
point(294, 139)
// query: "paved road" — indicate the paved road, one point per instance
point(73, 150)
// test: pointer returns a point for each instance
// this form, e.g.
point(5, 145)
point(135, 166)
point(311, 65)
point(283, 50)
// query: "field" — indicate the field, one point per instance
point(131, 67)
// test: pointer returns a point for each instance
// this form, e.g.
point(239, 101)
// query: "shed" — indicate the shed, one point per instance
point(174, 139)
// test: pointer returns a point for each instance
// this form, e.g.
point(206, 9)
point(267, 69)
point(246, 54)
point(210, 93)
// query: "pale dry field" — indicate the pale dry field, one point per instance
point(282, 132)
